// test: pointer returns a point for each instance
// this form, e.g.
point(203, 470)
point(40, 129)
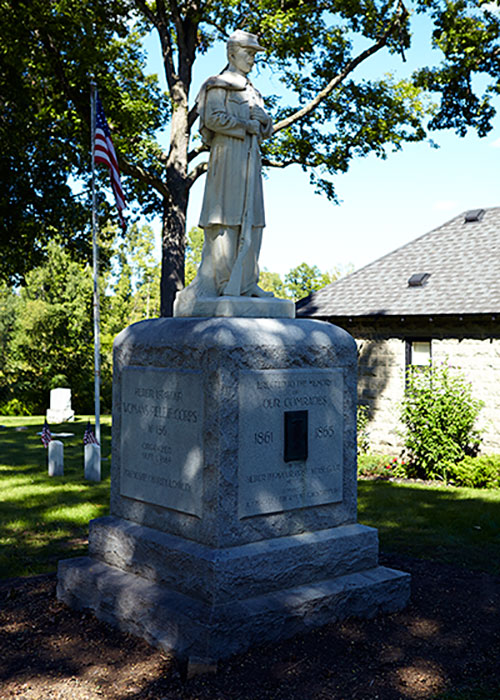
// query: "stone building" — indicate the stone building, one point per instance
point(438, 297)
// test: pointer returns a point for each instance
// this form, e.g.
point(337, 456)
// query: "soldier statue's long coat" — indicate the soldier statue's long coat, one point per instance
point(224, 107)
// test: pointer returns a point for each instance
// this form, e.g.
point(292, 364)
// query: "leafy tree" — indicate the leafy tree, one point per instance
point(331, 115)
point(272, 282)
point(8, 311)
point(46, 327)
point(145, 273)
point(53, 332)
point(134, 288)
point(48, 52)
point(304, 279)
point(194, 246)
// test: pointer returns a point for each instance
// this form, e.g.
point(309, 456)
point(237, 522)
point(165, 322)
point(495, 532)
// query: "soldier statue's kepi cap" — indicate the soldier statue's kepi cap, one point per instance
point(245, 39)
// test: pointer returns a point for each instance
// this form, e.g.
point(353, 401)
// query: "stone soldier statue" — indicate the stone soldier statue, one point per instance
point(233, 121)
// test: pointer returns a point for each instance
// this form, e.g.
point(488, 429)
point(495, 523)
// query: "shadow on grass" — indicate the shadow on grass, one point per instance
point(455, 525)
point(44, 519)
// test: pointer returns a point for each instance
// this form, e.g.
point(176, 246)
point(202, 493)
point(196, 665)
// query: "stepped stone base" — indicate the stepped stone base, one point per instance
point(207, 603)
point(233, 488)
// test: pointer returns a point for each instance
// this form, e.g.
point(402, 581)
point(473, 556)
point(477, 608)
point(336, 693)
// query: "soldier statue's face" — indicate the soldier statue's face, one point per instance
point(242, 58)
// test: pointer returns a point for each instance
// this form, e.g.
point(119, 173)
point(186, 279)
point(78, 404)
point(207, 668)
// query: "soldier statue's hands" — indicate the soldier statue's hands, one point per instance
point(253, 127)
point(258, 113)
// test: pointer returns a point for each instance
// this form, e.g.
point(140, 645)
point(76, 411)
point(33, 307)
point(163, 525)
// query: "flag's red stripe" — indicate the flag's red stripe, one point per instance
point(106, 144)
point(104, 153)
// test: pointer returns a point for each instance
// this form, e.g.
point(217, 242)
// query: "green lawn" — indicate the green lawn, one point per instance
point(45, 519)
point(456, 525)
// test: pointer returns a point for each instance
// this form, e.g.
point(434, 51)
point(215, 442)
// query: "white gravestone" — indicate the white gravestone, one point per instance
point(55, 450)
point(60, 409)
point(92, 462)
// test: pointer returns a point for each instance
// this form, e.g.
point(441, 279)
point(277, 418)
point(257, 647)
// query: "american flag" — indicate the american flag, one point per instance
point(46, 435)
point(88, 436)
point(104, 152)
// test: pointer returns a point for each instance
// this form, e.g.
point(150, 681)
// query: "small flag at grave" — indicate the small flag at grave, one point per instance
point(88, 436)
point(46, 435)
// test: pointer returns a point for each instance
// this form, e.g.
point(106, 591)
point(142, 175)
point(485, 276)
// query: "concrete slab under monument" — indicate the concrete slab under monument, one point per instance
point(233, 489)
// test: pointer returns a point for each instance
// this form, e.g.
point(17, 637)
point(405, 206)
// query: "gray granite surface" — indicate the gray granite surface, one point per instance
point(207, 414)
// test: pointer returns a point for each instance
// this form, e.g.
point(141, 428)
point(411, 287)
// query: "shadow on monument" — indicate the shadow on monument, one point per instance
point(261, 548)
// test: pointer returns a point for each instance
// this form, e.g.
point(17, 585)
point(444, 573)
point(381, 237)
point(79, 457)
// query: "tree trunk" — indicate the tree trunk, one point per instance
point(173, 249)
point(174, 210)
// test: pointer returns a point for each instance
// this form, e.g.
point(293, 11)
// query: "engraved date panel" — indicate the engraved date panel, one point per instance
point(161, 437)
point(271, 404)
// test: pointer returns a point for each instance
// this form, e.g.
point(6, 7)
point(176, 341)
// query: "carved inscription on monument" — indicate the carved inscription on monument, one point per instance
point(161, 437)
point(268, 483)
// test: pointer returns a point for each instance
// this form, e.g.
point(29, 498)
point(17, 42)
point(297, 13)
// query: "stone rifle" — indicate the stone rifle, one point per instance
point(233, 287)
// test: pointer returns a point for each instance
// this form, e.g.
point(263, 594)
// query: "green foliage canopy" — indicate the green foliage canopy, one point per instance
point(194, 246)
point(46, 327)
point(272, 282)
point(48, 52)
point(304, 279)
point(52, 332)
point(330, 115)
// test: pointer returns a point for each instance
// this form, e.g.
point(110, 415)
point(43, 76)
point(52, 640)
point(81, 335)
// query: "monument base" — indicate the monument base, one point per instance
point(233, 488)
point(243, 307)
point(210, 603)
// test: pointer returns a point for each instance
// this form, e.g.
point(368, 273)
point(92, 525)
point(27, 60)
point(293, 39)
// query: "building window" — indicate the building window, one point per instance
point(418, 352)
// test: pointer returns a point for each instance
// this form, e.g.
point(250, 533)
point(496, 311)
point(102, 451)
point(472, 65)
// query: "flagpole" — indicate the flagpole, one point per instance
point(95, 260)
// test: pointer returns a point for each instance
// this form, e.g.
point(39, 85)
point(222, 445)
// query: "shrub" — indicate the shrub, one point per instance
point(381, 466)
point(59, 380)
point(15, 407)
point(476, 472)
point(439, 414)
point(362, 430)
point(370, 465)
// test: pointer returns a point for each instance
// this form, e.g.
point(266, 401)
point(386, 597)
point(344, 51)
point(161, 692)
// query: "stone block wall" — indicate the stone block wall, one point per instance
point(471, 345)
point(381, 368)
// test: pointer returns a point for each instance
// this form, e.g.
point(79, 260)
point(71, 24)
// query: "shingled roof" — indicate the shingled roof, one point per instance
point(459, 263)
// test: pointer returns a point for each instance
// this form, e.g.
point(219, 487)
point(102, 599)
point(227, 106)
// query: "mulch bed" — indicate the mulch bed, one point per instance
point(448, 637)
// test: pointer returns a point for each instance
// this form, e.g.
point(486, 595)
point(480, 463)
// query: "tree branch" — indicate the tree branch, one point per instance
point(221, 30)
point(147, 12)
point(192, 117)
point(144, 176)
point(285, 163)
point(196, 151)
point(166, 45)
point(176, 16)
point(195, 173)
point(401, 13)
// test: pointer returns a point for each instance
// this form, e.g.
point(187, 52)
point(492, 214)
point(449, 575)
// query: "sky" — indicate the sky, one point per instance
point(383, 203)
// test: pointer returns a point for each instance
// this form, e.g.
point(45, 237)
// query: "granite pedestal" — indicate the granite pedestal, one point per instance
point(233, 489)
